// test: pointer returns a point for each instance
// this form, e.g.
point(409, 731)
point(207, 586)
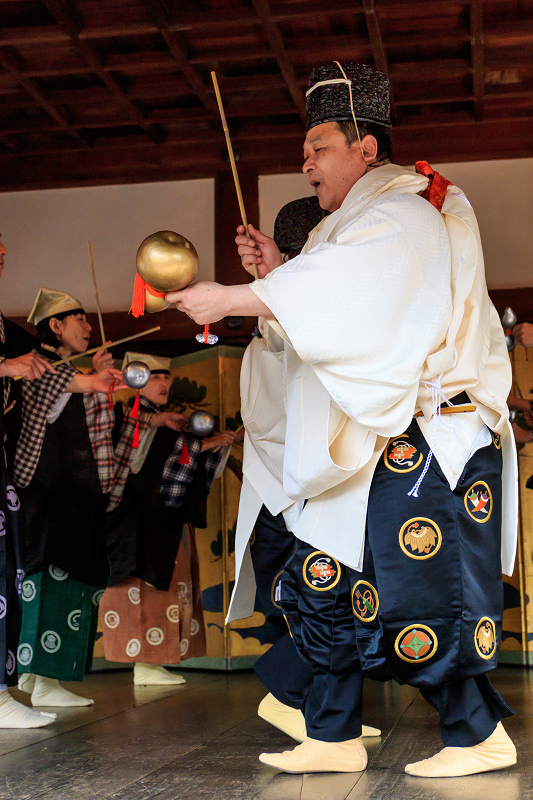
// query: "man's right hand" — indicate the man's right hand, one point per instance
point(524, 333)
point(30, 366)
point(169, 419)
point(261, 251)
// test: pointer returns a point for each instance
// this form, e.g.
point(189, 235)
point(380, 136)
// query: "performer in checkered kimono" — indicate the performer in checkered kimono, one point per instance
point(382, 319)
point(153, 615)
point(16, 359)
point(64, 471)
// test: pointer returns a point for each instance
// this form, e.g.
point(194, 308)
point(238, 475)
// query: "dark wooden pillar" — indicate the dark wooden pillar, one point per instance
point(228, 269)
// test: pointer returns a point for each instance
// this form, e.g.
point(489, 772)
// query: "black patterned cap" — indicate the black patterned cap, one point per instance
point(330, 102)
point(295, 221)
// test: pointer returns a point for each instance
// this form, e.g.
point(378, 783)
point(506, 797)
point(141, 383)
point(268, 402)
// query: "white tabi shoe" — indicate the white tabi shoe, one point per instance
point(155, 675)
point(496, 752)
point(26, 682)
point(315, 756)
point(291, 721)
point(16, 715)
point(49, 692)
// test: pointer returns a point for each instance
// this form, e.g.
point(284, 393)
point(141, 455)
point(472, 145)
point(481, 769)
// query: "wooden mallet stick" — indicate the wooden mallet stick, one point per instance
point(95, 349)
point(232, 161)
point(111, 344)
point(99, 310)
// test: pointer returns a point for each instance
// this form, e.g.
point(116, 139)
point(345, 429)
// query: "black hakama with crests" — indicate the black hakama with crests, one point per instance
point(427, 607)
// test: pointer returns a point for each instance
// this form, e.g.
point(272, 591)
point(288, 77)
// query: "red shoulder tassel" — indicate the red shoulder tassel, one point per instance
point(437, 186)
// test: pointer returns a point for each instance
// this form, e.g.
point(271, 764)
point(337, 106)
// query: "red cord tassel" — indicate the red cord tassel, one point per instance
point(135, 415)
point(110, 394)
point(184, 457)
point(139, 288)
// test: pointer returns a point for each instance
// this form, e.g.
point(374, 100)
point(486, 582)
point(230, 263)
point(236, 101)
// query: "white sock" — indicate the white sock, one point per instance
point(26, 682)
point(17, 715)
point(49, 692)
point(154, 675)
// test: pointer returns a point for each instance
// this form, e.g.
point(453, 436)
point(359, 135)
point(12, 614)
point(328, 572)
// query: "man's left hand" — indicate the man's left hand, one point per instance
point(203, 302)
point(103, 360)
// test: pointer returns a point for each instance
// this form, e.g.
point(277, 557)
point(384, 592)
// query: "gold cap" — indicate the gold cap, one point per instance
point(50, 302)
point(154, 363)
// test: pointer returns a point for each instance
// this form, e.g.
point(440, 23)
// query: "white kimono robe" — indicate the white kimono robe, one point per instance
point(384, 313)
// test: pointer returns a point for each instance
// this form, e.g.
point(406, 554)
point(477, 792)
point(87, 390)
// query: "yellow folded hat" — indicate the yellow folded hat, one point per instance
point(50, 303)
point(154, 363)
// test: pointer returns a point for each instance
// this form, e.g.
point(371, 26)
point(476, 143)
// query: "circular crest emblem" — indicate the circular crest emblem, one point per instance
point(478, 501)
point(3, 607)
point(28, 591)
point(51, 641)
point(195, 627)
point(401, 455)
point(183, 590)
point(275, 592)
point(416, 643)
point(154, 636)
point(13, 502)
point(2, 524)
point(485, 638)
point(111, 619)
point(11, 663)
point(497, 440)
point(184, 646)
point(173, 613)
point(57, 574)
point(24, 654)
point(134, 595)
point(321, 572)
point(97, 596)
point(73, 619)
point(133, 648)
point(420, 538)
point(365, 601)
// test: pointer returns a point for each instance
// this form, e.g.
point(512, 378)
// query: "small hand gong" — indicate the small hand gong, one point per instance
point(201, 423)
point(136, 374)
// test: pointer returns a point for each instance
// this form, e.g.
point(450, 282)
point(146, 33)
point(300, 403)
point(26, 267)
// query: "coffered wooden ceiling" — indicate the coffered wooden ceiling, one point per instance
point(113, 91)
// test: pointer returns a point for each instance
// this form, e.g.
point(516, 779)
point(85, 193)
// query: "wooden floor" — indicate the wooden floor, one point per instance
point(201, 741)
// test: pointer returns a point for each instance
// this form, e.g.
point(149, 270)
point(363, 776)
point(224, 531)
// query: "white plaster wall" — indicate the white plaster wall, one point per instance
point(501, 193)
point(46, 233)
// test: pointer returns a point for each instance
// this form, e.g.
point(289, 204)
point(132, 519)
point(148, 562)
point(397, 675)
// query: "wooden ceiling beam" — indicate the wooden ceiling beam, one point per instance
point(42, 34)
point(263, 11)
point(9, 62)
point(178, 50)
point(503, 34)
point(200, 147)
point(477, 55)
point(149, 162)
point(65, 16)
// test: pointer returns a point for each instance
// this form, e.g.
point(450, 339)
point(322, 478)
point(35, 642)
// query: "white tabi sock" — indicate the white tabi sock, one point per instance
point(26, 682)
point(154, 675)
point(17, 715)
point(49, 692)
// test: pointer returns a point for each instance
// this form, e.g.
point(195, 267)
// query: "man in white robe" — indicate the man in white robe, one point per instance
point(384, 316)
